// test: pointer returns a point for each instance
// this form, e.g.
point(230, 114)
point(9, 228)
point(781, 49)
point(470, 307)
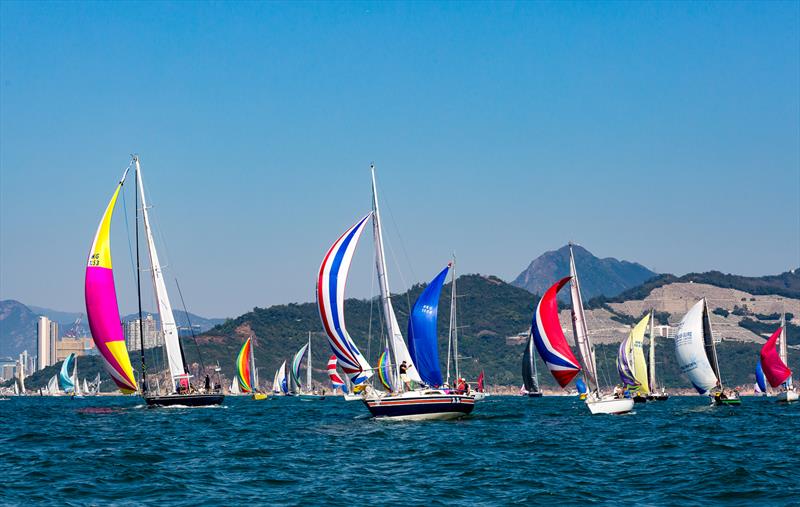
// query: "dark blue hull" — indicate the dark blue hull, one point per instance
point(421, 407)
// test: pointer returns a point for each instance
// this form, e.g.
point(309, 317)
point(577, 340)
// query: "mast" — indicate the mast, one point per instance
point(454, 318)
point(783, 348)
point(169, 328)
point(579, 327)
point(710, 346)
point(139, 284)
point(652, 354)
point(308, 365)
point(392, 328)
point(253, 372)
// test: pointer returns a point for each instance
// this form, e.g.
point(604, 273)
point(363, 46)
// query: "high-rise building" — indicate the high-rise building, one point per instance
point(43, 342)
point(152, 337)
point(53, 343)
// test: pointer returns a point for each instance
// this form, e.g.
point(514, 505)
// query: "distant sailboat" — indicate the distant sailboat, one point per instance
point(103, 314)
point(631, 364)
point(760, 387)
point(52, 386)
point(696, 353)
point(303, 392)
point(420, 357)
point(247, 373)
point(280, 386)
point(775, 366)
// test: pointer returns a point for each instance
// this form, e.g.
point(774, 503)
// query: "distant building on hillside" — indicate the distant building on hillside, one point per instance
point(78, 346)
point(152, 338)
point(46, 342)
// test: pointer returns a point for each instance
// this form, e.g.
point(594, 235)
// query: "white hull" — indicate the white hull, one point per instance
point(352, 397)
point(610, 405)
point(479, 396)
point(786, 396)
point(440, 416)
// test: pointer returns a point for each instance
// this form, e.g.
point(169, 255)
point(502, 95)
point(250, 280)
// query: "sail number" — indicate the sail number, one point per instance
point(94, 260)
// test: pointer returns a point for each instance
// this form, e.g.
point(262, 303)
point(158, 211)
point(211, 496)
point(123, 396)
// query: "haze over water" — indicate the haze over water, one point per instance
point(513, 450)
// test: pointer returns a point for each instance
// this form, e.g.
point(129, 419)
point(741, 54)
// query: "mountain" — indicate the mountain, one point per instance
point(17, 328)
point(63, 318)
point(599, 277)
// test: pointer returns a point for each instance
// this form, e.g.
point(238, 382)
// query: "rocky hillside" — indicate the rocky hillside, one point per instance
point(17, 328)
point(599, 277)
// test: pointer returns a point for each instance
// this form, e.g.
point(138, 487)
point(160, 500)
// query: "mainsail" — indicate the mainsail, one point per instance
point(549, 337)
point(168, 327)
point(296, 363)
point(330, 300)
point(243, 367)
point(235, 386)
point(422, 339)
point(528, 378)
point(279, 384)
point(52, 385)
point(101, 304)
point(65, 378)
point(336, 380)
point(585, 348)
point(691, 349)
point(775, 369)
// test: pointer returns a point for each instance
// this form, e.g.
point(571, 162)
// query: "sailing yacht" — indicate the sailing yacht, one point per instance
point(760, 387)
point(104, 321)
point(696, 353)
point(426, 401)
point(631, 365)
point(307, 392)
point(774, 363)
point(247, 378)
point(530, 373)
point(280, 386)
point(654, 395)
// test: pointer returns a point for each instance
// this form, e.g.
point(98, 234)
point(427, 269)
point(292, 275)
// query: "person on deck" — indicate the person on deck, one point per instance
point(404, 375)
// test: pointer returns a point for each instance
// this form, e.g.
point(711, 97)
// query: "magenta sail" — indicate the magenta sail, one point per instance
point(774, 369)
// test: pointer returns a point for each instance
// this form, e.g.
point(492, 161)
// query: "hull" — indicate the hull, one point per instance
point(310, 397)
point(416, 406)
point(352, 397)
point(261, 396)
point(721, 401)
point(535, 394)
point(786, 397)
point(610, 406)
point(479, 396)
point(639, 399)
point(658, 397)
point(185, 400)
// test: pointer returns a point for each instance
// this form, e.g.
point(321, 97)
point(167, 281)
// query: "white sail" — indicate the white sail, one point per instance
point(16, 388)
point(52, 385)
point(96, 384)
point(280, 378)
point(235, 387)
point(168, 327)
point(783, 349)
point(398, 345)
point(579, 327)
point(690, 350)
point(308, 365)
point(85, 387)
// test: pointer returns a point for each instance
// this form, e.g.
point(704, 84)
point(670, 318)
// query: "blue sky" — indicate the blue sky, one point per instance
point(665, 133)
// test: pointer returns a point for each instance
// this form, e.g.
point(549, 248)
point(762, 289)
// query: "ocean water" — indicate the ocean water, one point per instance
point(511, 451)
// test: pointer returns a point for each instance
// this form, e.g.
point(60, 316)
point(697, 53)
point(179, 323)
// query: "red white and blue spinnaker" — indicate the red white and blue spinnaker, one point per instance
point(550, 340)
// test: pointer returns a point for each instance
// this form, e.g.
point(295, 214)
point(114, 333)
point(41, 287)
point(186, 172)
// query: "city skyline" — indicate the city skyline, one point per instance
point(653, 133)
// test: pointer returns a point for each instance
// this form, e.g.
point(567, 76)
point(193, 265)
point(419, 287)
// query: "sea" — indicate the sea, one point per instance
point(286, 451)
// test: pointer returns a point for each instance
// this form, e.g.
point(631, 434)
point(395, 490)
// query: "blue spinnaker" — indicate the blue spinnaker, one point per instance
point(761, 381)
point(581, 385)
point(64, 378)
point(422, 339)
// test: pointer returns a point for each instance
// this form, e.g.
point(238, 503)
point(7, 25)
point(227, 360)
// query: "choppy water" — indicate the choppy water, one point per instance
point(512, 451)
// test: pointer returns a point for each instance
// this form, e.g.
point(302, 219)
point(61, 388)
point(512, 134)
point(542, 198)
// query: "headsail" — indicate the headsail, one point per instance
point(625, 362)
point(101, 304)
point(65, 378)
point(235, 386)
point(422, 339)
point(690, 350)
point(296, 362)
point(330, 300)
point(480, 382)
point(385, 371)
point(279, 384)
point(243, 367)
point(631, 364)
point(774, 368)
point(52, 385)
point(549, 337)
point(336, 380)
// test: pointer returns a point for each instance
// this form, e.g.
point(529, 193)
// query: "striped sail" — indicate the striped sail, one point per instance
point(336, 380)
point(101, 304)
point(330, 300)
point(625, 362)
point(690, 350)
point(385, 371)
point(549, 337)
point(296, 363)
point(631, 364)
point(775, 369)
point(243, 367)
point(65, 379)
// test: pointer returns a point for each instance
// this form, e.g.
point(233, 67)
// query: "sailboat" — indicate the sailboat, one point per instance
point(420, 366)
point(279, 385)
point(696, 353)
point(760, 387)
point(307, 392)
point(452, 341)
point(85, 387)
point(654, 394)
point(775, 365)
point(103, 314)
point(247, 380)
point(530, 373)
point(336, 380)
point(480, 393)
point(52, 386)
point(66, 380)
point(631, 365)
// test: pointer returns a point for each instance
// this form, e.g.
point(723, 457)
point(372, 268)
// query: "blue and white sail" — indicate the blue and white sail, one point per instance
point(422, 340)
point(694, 349)
point(65, 378)
point(331, 282)
point(761, 381)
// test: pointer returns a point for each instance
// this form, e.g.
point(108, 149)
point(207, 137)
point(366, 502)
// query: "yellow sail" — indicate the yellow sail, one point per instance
point(639, 364)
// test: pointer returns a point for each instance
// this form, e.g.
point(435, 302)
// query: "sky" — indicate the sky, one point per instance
point(662, 133)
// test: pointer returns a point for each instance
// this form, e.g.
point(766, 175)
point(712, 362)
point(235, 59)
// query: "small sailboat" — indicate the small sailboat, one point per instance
point(103, 314)
point(760, 387)
point(654, 395)
point(280, 386)
point(631, 365)
point(66, 380)
point(696, 353)
point(419, 360)
point(775, 366)
point(247, 378)
point(530, 373)
point(85, 387)
point(480, 393)
point(52, 386)
point(307, 392)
